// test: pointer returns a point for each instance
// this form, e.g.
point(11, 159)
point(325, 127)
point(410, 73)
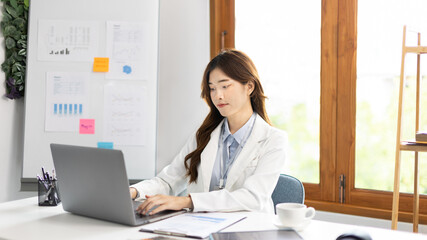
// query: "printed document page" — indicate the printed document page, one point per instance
point(199, 225)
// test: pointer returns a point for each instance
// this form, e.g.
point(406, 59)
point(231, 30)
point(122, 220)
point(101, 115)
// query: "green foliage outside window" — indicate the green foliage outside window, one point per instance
point(303, 142)
point(376, 141)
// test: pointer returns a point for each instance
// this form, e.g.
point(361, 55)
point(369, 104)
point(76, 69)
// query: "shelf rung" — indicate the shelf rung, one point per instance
point(410, 146)
point(419, 49)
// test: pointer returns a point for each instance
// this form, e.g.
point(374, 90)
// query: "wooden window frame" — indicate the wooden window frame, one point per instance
point(337, 113)
point(221, 21)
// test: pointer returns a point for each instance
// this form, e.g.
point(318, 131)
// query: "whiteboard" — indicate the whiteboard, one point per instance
point(47, 16)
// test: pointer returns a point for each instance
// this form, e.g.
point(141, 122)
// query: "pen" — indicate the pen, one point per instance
point(44, 174)
point(47, 177)
point(177, 234)
point(47, 194)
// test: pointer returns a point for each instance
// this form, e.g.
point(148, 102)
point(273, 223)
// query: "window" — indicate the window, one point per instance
point(357, 131)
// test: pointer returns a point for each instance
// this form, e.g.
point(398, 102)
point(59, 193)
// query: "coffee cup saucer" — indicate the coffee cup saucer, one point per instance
point(298, 228)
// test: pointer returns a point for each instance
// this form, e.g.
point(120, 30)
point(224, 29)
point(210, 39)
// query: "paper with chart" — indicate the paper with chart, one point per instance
point(124, 108)
point(66, 101)
point(126, 48)
point(61, 40)
point(198, 225)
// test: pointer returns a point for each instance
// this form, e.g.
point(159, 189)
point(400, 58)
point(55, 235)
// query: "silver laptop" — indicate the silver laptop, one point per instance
point(93, 182)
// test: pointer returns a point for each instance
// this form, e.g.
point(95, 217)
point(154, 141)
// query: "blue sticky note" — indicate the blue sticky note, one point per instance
point(106, 145)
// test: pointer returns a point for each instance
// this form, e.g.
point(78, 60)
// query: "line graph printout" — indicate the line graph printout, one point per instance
point(61, 40)
point(126, 48)
point(66, 101)
point(124, 106)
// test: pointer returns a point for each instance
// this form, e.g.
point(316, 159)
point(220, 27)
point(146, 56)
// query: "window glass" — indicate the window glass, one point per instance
point(283, 39)
point(379, 54)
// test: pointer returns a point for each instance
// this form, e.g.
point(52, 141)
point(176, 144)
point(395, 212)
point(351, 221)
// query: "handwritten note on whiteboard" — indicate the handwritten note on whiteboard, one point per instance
point(87, 126)
point(124, 109)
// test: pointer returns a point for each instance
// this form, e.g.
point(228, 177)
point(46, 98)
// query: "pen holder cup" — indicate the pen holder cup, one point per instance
point(48, 193)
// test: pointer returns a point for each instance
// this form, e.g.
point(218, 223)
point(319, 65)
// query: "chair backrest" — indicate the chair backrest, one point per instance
point(288, 189)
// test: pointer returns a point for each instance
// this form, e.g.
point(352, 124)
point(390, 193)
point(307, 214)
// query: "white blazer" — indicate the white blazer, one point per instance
point(251, 179)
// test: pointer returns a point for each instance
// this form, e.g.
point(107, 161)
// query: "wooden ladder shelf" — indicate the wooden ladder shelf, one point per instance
point(407, 145)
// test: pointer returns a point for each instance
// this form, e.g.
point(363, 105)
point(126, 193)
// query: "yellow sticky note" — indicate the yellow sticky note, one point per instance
point(100, 64)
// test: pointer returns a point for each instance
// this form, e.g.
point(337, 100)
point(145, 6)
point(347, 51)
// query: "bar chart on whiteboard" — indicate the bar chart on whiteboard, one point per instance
point(66, 101)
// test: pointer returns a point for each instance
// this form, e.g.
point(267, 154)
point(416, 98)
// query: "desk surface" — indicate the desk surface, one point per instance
point(24, 219)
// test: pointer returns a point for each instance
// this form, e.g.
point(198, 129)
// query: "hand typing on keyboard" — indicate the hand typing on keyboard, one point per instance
point(159, 202)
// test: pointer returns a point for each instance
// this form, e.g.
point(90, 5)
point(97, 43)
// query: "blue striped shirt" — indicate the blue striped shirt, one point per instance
point(230, 143)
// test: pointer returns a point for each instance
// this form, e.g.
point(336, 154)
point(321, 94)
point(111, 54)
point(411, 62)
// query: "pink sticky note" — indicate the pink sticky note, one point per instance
point(87, 126)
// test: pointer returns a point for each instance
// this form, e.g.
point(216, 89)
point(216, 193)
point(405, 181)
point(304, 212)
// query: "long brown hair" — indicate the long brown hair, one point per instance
point(238, 66)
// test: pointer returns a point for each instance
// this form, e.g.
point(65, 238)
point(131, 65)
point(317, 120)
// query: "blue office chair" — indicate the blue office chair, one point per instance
point(288, 189)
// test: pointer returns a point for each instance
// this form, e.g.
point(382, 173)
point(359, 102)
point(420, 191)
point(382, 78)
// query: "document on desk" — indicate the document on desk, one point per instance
point(198, 225)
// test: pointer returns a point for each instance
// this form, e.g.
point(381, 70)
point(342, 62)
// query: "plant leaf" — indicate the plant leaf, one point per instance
point(16, 35)
point(14, 69)
point(16, 66)
point(19, 58)
point(22, 52)
point(14, 3)
point(19, 10)
point(20, 24)
point(19, 81)
point(5, 67)
point(9, 30)
point(6, 17)
point(11, 11)
point(10, 43)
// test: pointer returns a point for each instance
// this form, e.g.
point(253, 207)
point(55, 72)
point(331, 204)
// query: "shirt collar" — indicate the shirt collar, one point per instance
point(240, 134)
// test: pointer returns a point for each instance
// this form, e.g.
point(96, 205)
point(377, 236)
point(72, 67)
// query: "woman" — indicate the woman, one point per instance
point(234, 160)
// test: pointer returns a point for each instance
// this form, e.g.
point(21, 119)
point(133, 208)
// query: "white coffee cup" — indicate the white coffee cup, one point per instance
point(294, 214)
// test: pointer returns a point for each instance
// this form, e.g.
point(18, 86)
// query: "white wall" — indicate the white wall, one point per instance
point(183, 55)
point(11, 141)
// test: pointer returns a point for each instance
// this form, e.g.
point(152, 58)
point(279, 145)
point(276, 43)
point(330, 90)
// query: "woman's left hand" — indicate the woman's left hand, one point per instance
point(164, 202)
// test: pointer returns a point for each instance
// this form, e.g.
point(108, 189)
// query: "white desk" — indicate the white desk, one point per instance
point(24, 219)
